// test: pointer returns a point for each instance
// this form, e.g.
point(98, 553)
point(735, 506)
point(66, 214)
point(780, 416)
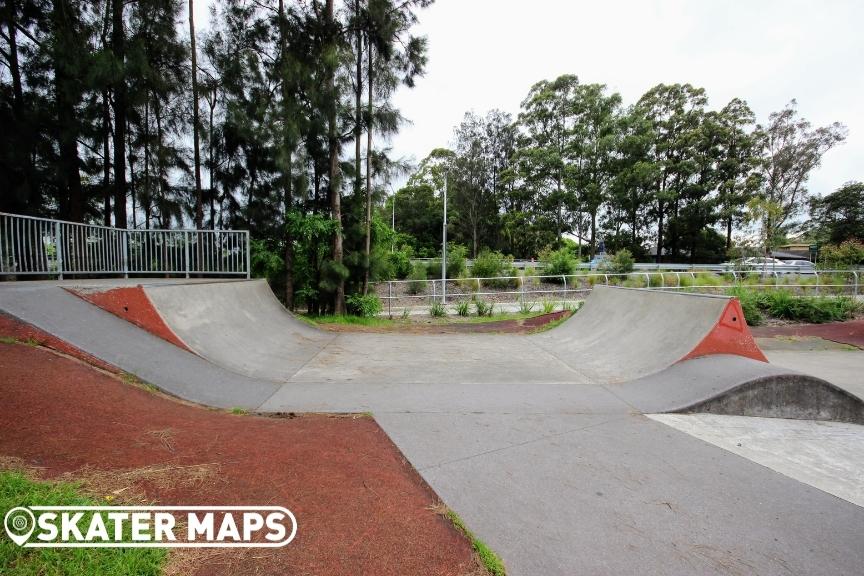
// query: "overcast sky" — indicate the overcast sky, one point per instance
point(486, 54)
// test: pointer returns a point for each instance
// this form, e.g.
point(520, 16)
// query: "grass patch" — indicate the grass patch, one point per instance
point(13, 340)
point(239, 411)
point(487, 557)
point(16, 489)
point(348, 319)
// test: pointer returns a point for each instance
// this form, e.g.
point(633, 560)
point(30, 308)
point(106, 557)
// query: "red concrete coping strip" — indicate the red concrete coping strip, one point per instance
point(360, 507)
point(133, 305)
point(851, 332)
point(730, 335)
point(13, 328)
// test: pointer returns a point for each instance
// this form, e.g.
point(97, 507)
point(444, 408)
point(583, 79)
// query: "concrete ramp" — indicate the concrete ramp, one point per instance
point(625, 333)
point(240, 326)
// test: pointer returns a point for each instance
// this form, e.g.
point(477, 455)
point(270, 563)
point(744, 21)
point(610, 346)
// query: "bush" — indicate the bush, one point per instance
point(494, 265)
point(848, 253)
point(621, 263)
point(784, 304)
point(548, 305)
point(400, 263)
point(417, 279)
point(456, 254)
point(558, 263)
point(366, 306)
point(749, 304)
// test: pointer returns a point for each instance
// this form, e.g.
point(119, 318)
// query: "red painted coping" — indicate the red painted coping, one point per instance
point(133, 305)
point(730, 335)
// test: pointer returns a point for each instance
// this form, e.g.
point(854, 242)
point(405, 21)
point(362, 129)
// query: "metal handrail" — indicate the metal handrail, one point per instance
point(33, 246)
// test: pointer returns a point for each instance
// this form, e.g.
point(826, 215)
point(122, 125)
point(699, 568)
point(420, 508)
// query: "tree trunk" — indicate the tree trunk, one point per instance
point(368, 170)
point(211, 168)
point(593, 232)
point(106, 158)
point(358, 101)
point(660, 231)
point(728, 235)
point(132, 191)
point(69, 177)
point(147, 191)
point(199, 206)
point(118, 46)
point(334, 176)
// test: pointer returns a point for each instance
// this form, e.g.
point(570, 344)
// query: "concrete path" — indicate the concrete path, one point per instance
point(558, 470)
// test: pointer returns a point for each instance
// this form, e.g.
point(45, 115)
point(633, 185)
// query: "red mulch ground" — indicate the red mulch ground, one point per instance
point(851, 332)
point(133, 305)
point(360, 507)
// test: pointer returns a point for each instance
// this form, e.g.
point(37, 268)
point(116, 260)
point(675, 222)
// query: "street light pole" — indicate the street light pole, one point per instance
point(444, 249)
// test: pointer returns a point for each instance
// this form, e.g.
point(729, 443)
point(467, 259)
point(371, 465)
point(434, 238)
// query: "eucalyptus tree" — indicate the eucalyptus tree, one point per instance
point(790, 150)
point(675, 112)
point(547, 121)
point(736, 177)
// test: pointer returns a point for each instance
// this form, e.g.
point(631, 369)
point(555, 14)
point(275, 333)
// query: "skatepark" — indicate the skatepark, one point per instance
point(646, 434)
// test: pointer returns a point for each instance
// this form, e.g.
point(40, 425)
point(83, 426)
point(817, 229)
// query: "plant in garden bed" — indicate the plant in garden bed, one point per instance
point(548, 305)
point(463, 308)
point(364, 306)
point(437, 310)
point(558, 263)
point(527, 307)
point(483, 308)
point(417, 279)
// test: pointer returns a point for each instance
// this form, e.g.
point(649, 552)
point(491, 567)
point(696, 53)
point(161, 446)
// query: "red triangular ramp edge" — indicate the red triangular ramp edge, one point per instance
point(730, 335)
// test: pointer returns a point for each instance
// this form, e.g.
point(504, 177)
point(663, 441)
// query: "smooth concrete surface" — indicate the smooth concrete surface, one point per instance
point(827, 455)
point(588, 494)
point(241, 326)
point(844, 368)
point(557, 469)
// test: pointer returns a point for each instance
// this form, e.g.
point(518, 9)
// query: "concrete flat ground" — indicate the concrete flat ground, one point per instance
point(560, 471)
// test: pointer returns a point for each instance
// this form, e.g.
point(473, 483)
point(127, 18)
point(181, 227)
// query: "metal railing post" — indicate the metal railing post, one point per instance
point(58, 241)
point(186, 251)
point(564, 301)
point(390, 299)
point(248, 256)
point(124, 235)
point(855, 274)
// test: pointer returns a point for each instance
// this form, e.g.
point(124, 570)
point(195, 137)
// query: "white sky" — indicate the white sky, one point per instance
point(486, 54)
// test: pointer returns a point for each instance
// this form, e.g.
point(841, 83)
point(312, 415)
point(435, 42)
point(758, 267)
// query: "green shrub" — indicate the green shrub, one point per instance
point(400, 263)
point(417, 279)
point(463, 308)
point(621, 263)
point(494, 266)
point(848, 253)
point(558, 263)
point(749, 304)
point(437, 310)
point(526, 307)
point(527, 276)
point(548, 305)
point(483, 308)
point(365, 306)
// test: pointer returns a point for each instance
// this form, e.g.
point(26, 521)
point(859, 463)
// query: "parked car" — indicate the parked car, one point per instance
point(800, 267)
point(762, 262)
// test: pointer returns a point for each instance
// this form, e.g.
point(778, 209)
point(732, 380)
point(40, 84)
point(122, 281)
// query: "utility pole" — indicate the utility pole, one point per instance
point(444, 249)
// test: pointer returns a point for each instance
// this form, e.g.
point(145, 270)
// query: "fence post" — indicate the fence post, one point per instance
point(817, 281)
point(124, 235)
point(564, 302)
point(855, 293)
point(390, 299)
point(58, 241)
point(248, 256)
point(186, 251)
